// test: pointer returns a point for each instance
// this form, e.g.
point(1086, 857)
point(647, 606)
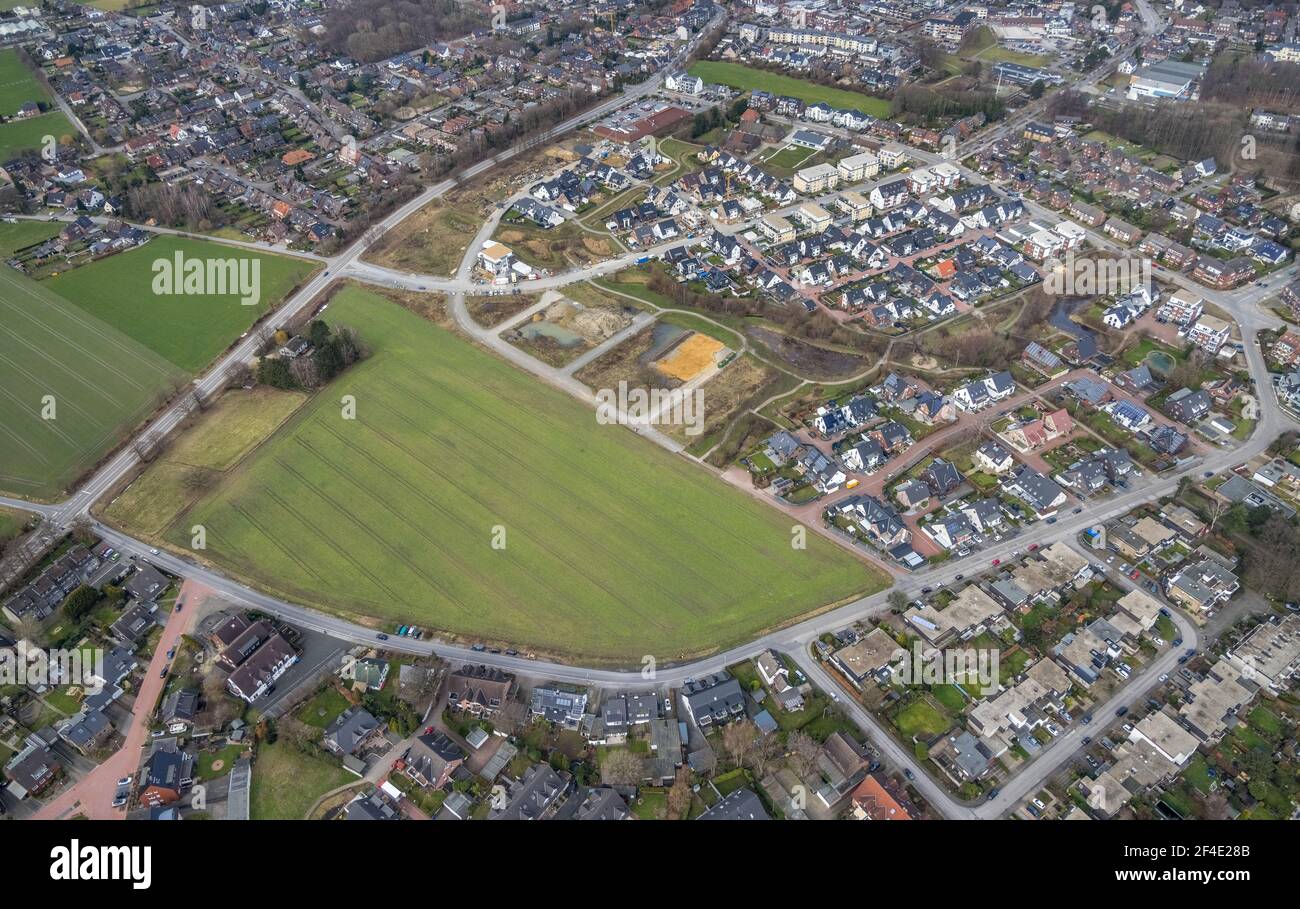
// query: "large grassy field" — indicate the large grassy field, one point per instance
point(14, 237)
point(188, 330)
point(101, 382)
point(747, 78)
point(17, 84)
point(18, 136)
point(613, 548)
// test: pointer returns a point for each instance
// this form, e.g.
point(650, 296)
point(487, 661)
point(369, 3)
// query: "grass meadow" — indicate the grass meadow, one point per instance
point(189, 330)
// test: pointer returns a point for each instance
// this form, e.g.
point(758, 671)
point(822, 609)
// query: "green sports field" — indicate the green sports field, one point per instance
point(747, 78)
point(613, 548)
point(188, 330)
point(102, 383)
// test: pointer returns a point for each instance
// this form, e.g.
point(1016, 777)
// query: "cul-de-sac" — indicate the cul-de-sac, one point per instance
point(649, 410)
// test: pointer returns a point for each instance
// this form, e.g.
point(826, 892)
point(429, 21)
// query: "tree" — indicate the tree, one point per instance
point(897, 600)
point(81, 601)
point(738, 740)
point(511, 718)
point(679, 796)
point(804, 752)
point(622, 768)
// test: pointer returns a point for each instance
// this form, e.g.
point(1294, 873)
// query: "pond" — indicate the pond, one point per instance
point(1160, 362)
point(556, 333)
point(1060, 318)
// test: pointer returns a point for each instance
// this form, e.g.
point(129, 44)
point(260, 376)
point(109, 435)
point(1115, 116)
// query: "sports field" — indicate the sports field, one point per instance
point(100, 381)
point(189, 330)
point(747, 78)
point(613, 548)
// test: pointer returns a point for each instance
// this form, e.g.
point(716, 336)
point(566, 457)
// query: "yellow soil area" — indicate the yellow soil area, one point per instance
point(691, 357)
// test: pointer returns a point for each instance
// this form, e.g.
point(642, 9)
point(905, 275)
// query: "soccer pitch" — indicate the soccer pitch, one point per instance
point(189, 330)
point(70, 387)
point(467, 497)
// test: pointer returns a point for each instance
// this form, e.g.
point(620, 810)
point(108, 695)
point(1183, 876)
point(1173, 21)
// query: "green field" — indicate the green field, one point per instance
point(189, 330)
point(613, 547)
point(14, 237)
point(746, 78)
point(102, 383)
point(18, 136)
point(194, 463)
point(287, 781)
point(17, 84)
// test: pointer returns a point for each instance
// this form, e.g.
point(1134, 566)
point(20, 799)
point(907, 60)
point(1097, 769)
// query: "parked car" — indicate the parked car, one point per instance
point(908, 773)
point(1087, 740)
point(1121, 711)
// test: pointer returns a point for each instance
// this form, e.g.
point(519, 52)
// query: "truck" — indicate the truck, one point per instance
point(643, 260)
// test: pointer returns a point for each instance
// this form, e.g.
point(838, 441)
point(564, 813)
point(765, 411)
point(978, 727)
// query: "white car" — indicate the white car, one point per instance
point(1040, 804)
point(1164, 676)
point(1158, 641)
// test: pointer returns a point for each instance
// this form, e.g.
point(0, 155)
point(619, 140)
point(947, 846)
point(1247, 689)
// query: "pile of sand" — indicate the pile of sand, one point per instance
point(690, 357)
point(595, 323)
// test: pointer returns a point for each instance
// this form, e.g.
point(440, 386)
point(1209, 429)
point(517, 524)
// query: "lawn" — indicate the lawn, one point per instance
point(189, 330)
point(324, 708)
point(744, 77)
point(287, 782)
point(99, 382)
point(606, 546)
point(191, 466)
point(921, 718)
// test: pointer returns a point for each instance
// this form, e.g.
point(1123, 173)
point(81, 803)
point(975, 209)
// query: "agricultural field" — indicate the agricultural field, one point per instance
point(18, 136)
point(100, 381)
point(14, 237)
point(743, 77)
point(606, 546)
point(195, 463)
point(188, 330)
point(17, 84)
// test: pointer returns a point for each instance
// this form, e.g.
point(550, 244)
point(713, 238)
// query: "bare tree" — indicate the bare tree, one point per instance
point(512, 718)
point(804, 751)
point(622, 768)
point(738, 740)
point(679, 796)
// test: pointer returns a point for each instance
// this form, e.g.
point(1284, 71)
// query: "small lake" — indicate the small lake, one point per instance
point(1060, 318)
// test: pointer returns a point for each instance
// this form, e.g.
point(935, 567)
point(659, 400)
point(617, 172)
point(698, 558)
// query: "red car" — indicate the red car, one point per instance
point(997, 561)
point(1133, 574)
point(1033, 546)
